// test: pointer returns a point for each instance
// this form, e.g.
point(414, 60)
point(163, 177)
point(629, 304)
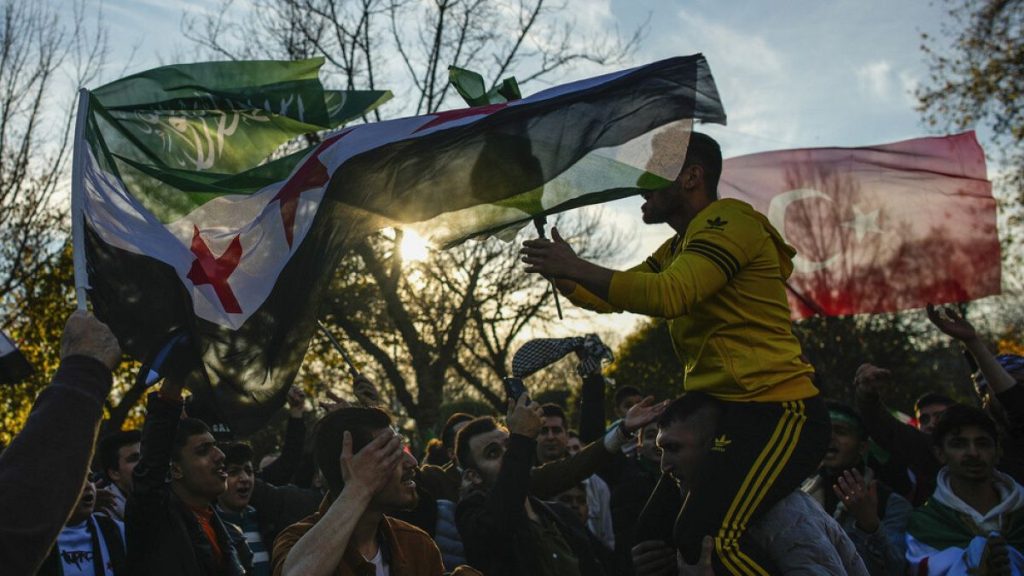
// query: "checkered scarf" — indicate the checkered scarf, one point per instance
point(543, 352)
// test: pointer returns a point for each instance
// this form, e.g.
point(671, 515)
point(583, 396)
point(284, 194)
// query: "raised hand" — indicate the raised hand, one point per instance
point(524, 417)
point(85, 335)
point(949, 320)
point(296, 402)
point(860, 498)
point(643, 413)
point(365, 391)
point(868, 381)
point(371, 468)
point(550, 258)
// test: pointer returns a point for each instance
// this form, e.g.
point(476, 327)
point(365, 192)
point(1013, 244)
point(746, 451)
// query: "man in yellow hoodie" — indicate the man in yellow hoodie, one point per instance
point(720, 283)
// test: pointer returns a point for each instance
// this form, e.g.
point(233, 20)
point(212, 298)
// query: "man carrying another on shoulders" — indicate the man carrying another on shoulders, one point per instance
point(720, 283)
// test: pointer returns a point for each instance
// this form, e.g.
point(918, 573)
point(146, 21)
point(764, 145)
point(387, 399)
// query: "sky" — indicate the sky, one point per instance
point(791, 74)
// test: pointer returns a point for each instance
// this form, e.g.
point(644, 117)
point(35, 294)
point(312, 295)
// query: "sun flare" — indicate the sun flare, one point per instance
point(415, 248)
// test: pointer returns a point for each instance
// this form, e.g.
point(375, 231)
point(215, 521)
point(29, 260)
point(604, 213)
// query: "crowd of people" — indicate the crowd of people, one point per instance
point(749, 470)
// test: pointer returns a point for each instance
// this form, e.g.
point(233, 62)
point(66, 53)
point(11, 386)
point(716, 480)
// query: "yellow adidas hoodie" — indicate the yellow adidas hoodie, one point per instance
point(721, 288)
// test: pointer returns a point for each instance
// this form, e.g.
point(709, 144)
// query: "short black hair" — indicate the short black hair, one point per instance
point(110, 447)
point(624, 392)
point(960, 416)
point(847, 411)
point(187, 428)
point(329, 438)
point(237, 453)
point(931, 399)
point(704, 151)
point(680, 409)
point(552, 409)
point(463, 455)
point(448, 432)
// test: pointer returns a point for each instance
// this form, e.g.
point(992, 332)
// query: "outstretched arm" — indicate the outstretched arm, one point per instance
point(59, 435)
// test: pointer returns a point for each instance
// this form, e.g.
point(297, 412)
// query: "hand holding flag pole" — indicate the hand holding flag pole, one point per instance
point(539, 222)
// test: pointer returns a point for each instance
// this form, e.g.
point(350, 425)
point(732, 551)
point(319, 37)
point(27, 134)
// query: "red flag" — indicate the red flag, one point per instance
point(878, 229)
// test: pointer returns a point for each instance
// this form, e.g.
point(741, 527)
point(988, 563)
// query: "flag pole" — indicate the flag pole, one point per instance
point(77, 200)
point(539, 222)
point(337, 346)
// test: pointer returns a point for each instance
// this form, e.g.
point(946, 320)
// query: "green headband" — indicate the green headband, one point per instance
point(837, 416)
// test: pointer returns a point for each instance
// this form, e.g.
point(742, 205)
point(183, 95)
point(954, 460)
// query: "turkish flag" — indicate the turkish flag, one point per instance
point(878, 229)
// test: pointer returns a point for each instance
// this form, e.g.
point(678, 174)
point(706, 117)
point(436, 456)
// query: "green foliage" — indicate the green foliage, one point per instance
point(646, 359)
point(920, 358)
point(977, 79)
point(36, 324)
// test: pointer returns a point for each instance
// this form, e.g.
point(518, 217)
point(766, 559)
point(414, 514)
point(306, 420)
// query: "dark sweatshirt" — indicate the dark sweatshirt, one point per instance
point(43, 470)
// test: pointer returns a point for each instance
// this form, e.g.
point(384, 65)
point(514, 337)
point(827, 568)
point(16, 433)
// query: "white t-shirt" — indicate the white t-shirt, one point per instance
point(381, 567)
point(74, 546)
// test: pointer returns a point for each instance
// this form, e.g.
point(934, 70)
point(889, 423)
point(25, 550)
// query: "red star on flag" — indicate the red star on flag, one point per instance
point(208, 269)
point(310, 176)
point(452, 115)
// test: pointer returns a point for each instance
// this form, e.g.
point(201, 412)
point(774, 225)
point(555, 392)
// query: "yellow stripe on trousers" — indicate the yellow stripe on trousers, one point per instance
point(726, 543)
point(762, 475)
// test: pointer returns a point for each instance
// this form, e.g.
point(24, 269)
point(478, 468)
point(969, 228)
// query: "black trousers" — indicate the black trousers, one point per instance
point(762, 451)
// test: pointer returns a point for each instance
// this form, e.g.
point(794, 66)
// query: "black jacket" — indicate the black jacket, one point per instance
point(494, 525)
point(164, 538)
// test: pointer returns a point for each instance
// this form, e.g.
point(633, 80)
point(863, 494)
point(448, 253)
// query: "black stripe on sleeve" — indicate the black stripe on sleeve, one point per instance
point(653, 264)
point(714, 258)
point(730, 260)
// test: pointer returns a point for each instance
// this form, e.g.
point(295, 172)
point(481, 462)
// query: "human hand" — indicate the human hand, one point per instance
point(85, 335)
point(949, 320)
point(868, 381)
point(703, 566)
point(105, 501)
point(550, 258)
point(371, 468)
point(335, 401)
point(524, 417)
point(995, 560)
point(653, 558)
point(860, 499)
point(296, 402)
point(643, 413)
point(365, 391)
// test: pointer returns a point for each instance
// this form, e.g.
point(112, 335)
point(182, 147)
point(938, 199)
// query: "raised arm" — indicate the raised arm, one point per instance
point(59, 435)
point(319, 551)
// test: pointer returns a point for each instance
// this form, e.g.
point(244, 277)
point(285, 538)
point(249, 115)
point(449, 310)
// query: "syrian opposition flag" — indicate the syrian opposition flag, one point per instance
point(193, 221)
point(14, 367)
point(878, 229)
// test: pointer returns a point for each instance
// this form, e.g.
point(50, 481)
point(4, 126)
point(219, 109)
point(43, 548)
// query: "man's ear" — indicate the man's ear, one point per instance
point(114, 475)
point(939, 455)
point(176, 473)
point(471, 478)
point(693, 176)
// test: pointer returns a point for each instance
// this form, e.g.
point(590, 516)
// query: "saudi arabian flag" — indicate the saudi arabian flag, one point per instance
point(195, 219)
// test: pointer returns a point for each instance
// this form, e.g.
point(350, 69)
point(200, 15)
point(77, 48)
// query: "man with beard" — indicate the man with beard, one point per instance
point(720, 284)
point(172, 528)
point(797, 534)
point(506, 530)
point(90, 543)
point(974, 522)
point(872, 515)
point(369, 475)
